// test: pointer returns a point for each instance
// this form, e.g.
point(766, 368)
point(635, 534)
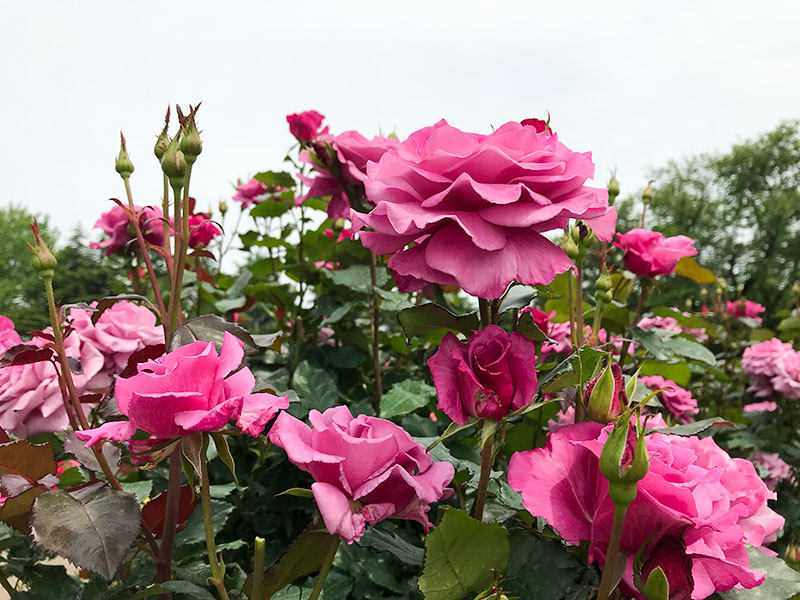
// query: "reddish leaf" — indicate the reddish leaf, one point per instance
point(16, 512)
point(44, 335)
point(24, 354)
point(203, 276)
point(203, 254)
point(91, 398)
point(110, 301)
point(33, 461)
point(154, 511)
point(140, 356)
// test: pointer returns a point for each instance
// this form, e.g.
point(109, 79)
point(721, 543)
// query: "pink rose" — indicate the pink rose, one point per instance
point(765, 406)
point(745, 308)
point(8, 335)
point(189, 389)
point(344, 234)
point(202, 230)
point(760, 361)
point(248, 193)
point(558, 332)
point(475, 207)
point(650, 254)
point(671, 324)
point(778, 469)
point(677, 400)
point(487, 376)
point(694, 491)
point(116, 225)
point(305, 125)
point(787, 375)
point(351, 154)
point(365, 469)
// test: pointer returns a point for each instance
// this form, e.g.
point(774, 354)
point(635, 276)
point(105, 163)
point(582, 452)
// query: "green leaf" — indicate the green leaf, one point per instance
point(539, 568)
point(689, 429)
point(358, 278)
point(316, 387)
point(460, 554)
point(296, 491)
point(394, 545)
point(340, 312)
point(224, 453)
point(211, 328)
point(677, 371)
point(663, 345)
point(527, 327)
point(269, 209)
point(428, 317)
point(93, 530)
point(577, 368)
point(393, 301)
point(789, 324)
point(348, 356)
point(519, 296)
point(179, 587)
point(405, 397)
point(688, 267)
point(228, 304)
point(141, 490)
point(275, 179)
point(194, 532)
point(781, 583)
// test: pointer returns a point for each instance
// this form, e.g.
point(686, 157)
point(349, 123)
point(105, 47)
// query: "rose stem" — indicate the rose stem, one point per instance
point(579, 303)
point(164, 565)
point(165, 215)
point(217, 571)
point(258, 570)
point(496, 311)
point(376, 342)
point(483, 306)
point(323, 572)
point(483, 482)
point(639, 307)
point(612, 554)
point(571, 304)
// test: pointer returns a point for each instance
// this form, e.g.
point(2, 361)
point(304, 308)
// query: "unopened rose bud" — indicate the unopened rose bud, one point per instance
point(624, 460)
point(571, 248)
point(43, 260)
point(173, 163)
point(223, 207)
point(162, 140)
point(123, 165)
point(613, 189)
point(604, 281)
point(191, 144)
point(657, 587)
point(604, 396)
point(792, 554)
point(647, 194)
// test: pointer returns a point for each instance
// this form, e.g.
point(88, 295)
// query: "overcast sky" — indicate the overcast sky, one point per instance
point(637, 83)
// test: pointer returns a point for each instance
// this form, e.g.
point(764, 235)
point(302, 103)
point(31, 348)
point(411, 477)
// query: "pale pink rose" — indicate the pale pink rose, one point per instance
point(250, 193)
point(693, 492)
point(189, 389)
point(745, 308)
point(665, 323)
point(487, 376)
point(476, 206)
point(351, 154)
point(778, 469)
point(365, 469)
point(650, 254)
point(202, 230)
point(760, 361)
point(787, 375)
point(119, 231)
point(305, 126)
point(765, 406)
point(8, 335)
point(677, 400)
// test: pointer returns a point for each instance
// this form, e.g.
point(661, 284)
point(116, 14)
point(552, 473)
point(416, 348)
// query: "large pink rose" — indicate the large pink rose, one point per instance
point(305, 126)
point(119, 231)
point(778, 469)
point(787, 375)
point(487, 376)
point(694, 491)
point(189, 389)
point(650, 254)
point(745, 308)
point(677, 400)
point(365, 469)
point(475, 207)
point(760, 361)
point(351, 154)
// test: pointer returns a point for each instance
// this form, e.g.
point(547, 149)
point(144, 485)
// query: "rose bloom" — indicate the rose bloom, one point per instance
point(351, 153)
point(189, 389)
point(8, 335)
point(487, 376)
point(694, 496)
point(365, 469)
point(650, 254)
point(787, 375)
point(119, 231)
point(475, 207)
point(760, 361)
point(745, 308)
point(249, 193)
point(671, 324)
point(677, 400)
point(202, 230)
point(765, 406)
point(305, 126)
point(778, 469)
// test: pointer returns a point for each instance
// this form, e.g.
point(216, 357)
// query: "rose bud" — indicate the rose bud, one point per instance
point(667, 572)
point(43, 260)
point(191, 144)
point(604, 396)
point(123, 165)
point(624, 460)
point(792, 554)
point(173, 163)
point(613, 189)
point(487, 376)
point(647, 194)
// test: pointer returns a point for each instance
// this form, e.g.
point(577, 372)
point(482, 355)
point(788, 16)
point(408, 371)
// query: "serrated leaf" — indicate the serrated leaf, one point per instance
point(275, 179)
point(32, 461)
point(211, 328)
point(689, 429)
point(577, 368)
point(194, 532)
point(393, 301)
point(94, 531)
point(358, 278)
point(25, 354)
point(316, 387)
point(394, 545)
point(663, 345)
point(16, 511)
point(460, 554)
point(781, 582)
point(418, 320)
point(539, 568)
point(141, 490)
point(406, 396)
point(340, 312)
point(86, 456)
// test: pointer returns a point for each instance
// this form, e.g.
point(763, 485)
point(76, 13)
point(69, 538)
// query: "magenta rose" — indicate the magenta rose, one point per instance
point(249, 193)
point(650, 254)
point(365, 469)
point(693, 491)
point(745, 308)
point(8, 335)
point(778, 470)
point(305, 126)
point(677, 400)
point(787, 375)
point(351, 154)
point(202, 230)
point(760, 361)
point(119, 231)
point(487, 376)
point(475, 207)
point(189, 389)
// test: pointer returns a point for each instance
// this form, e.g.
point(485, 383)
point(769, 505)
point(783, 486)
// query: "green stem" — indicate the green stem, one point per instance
point(217, 570)
point(483, 307)
point(607, 582)
point(323, 572)
point(571, 304)
point(165, 213)
point(258, 571)
point(639, 308)
point(376, 341)
point(579, 303)
point(164, 566)
point(487, 458)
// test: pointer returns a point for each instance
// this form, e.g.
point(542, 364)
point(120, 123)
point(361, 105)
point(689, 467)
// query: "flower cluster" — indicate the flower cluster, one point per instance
point(774, 367)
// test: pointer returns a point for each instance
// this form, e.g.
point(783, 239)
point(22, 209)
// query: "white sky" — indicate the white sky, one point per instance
point(637, 83)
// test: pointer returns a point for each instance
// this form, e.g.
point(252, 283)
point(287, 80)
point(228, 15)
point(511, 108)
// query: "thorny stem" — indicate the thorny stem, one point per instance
point(164, 566)
point(612, 554)
point(165, 214)
point(487, 458)
point(258, 570)
point(217, 570)
point(376, 342)
point(323, 572)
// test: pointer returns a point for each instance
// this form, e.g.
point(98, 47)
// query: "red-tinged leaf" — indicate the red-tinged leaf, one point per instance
point(157, 249)
point(91, 398)
point(109, 301)
point(202, 254)
point(43, 334)
point(16, 512)
point(140, 356)
point(202, 275)
point(32, 461)
point(154, 512)
point(25, 354)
